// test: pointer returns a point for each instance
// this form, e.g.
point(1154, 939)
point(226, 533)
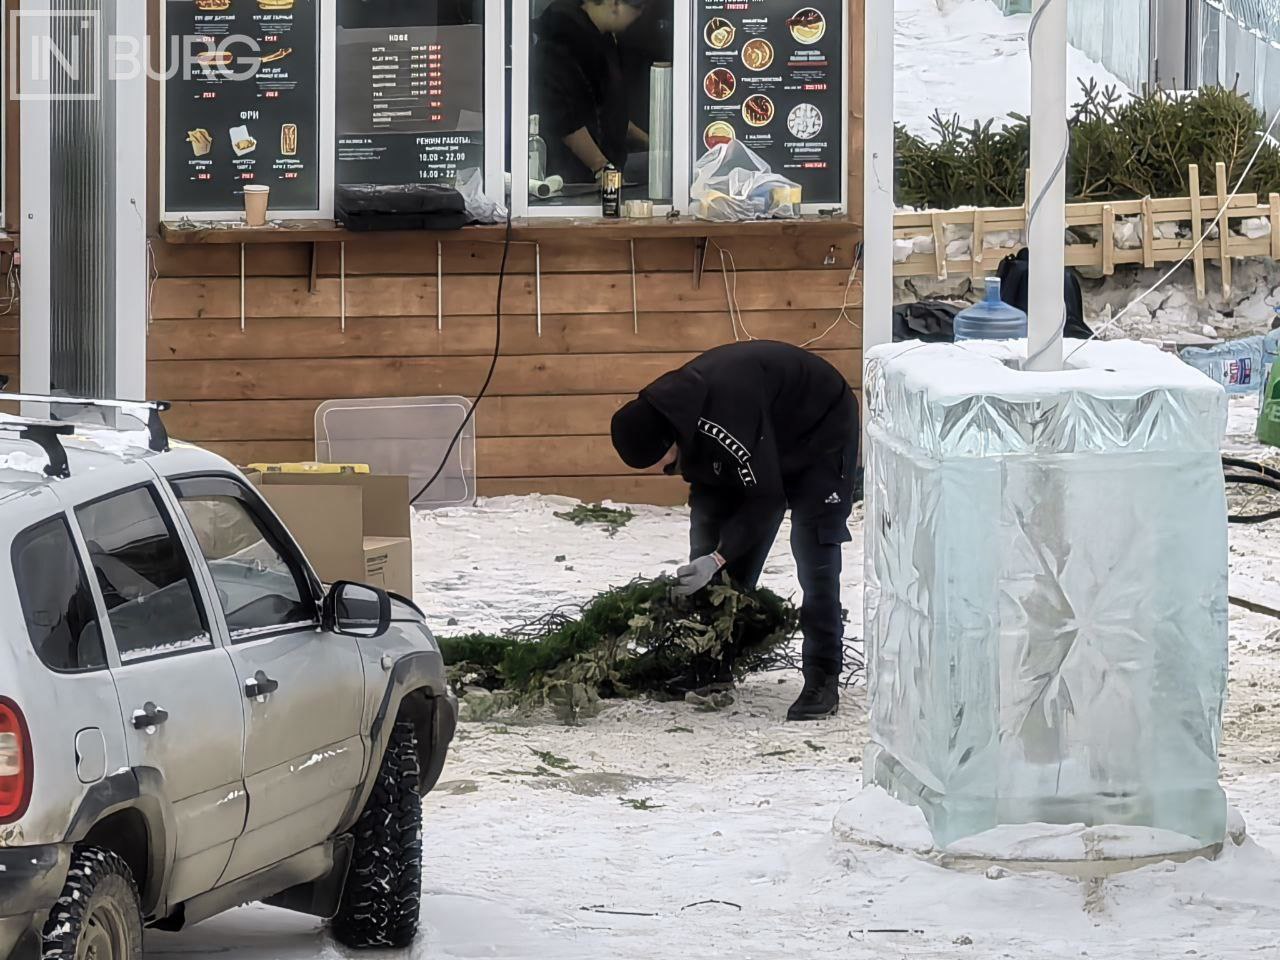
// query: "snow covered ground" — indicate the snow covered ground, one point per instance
point(966, 57)
point(737, 806)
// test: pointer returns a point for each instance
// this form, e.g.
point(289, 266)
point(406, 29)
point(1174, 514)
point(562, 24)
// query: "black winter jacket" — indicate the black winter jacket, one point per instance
point(577, 81)
point(752, 420)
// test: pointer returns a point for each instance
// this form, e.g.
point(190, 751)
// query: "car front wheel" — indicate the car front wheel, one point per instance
point(383, 894)
point(97, 917)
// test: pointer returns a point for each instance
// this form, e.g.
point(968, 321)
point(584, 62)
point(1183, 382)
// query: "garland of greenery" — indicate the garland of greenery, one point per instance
point(1122, 148)
point(637, 640)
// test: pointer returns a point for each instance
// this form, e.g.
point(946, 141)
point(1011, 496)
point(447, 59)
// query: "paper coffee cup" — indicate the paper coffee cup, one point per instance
point(256, 196)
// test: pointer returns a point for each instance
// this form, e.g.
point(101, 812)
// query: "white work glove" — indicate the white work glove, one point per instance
point(695, 576)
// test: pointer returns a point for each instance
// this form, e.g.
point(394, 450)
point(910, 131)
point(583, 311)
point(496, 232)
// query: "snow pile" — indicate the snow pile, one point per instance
point(965, 57)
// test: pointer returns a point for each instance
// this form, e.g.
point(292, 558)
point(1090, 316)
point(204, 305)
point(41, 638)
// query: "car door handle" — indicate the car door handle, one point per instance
point(260, 685)
point(149, 716)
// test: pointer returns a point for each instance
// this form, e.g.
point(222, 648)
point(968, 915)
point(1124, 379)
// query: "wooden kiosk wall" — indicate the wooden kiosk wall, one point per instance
point(251, 394)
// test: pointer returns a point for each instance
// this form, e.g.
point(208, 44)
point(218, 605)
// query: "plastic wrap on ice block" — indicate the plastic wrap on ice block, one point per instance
point(1046, 588)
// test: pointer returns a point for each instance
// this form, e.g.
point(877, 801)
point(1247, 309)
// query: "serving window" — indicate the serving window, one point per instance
point(594, 86)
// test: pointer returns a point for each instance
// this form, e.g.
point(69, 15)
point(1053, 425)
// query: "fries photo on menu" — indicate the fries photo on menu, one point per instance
point(289, 140)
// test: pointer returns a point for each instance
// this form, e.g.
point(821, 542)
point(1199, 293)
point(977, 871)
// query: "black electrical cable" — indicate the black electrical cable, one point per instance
point(1259, 476)
point(1266, 471)
point(493, 366)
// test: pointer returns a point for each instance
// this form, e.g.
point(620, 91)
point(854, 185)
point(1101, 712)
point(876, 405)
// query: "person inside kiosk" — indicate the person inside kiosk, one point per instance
point(589, 85)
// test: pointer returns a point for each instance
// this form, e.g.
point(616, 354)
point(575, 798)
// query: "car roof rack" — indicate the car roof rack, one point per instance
point(46, 434)
point(158, 436)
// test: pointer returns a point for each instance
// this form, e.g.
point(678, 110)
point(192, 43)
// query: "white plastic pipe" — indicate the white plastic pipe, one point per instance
point(1047, 229)
point(878, 161)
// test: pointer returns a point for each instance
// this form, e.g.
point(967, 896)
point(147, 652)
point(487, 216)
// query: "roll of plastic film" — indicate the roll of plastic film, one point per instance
point(660, 131)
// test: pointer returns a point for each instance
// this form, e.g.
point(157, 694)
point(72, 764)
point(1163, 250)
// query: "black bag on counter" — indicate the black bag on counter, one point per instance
point(365, 207)
point(1015, 278)
point(932, 321)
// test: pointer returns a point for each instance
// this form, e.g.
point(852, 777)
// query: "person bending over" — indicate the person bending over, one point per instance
point(756, 428)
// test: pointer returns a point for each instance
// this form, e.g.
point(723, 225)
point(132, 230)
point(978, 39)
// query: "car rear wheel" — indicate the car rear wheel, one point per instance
point(97, 917)
point(383, 894)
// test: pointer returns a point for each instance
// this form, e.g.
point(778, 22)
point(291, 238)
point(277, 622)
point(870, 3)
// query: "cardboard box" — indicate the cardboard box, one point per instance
point(353, 527)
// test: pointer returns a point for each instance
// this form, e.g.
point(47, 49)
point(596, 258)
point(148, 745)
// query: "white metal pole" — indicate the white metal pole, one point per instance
point(877, 301)
point(1046, 230)
point(37, 242)
point(132, 267)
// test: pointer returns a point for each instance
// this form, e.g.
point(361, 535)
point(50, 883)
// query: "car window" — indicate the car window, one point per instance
point(146, 581)
point(258, 588)
point(57, 603)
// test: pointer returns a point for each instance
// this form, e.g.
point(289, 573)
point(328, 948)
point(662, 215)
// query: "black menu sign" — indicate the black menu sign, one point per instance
point(410, 101)
point(242, 103)
point(771, 75)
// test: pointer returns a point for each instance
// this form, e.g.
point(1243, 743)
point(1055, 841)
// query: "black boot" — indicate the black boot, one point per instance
point(820, 697)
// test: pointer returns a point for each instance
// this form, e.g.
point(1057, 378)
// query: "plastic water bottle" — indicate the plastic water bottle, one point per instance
point(1241, 366)
point(991, 319)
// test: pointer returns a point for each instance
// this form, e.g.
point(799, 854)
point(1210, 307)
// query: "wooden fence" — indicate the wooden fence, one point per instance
point(1197, 210)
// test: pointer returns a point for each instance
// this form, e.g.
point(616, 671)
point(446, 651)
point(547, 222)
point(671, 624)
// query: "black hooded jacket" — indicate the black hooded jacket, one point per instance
point(754, 420)
point(577, 81)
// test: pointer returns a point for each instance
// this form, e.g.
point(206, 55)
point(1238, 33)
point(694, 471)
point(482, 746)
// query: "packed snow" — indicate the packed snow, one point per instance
point(965, 57)
point(710, 834)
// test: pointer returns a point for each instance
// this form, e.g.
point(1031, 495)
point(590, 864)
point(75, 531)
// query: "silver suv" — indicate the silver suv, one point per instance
point(189, 721)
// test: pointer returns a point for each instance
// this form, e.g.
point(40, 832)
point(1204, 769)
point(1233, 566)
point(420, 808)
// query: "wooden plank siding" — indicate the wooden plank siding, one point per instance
point(251, 395)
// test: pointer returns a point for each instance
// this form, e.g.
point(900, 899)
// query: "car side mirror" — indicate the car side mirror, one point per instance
point(357, 610)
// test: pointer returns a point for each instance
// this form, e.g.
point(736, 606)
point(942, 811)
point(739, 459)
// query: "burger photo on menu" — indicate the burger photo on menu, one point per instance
point(758, 110)
point(719, 33)
point(757, 54)
point(808, 25)
point(720, 84)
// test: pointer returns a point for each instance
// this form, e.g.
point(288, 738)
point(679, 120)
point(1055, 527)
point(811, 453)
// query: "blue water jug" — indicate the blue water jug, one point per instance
point(992, 319)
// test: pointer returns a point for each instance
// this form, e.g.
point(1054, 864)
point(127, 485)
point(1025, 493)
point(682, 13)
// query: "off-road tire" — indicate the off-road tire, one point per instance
point(383, 895)
point(98, 913)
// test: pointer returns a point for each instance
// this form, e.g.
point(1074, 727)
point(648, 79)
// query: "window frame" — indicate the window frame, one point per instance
point(681, 120)
point(275, 533)
point(198, 589)
point(69, 526)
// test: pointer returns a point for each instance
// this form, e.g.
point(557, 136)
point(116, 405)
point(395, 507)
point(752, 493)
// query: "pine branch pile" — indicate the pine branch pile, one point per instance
point(1121, 149)
point(637, 640)
point(610, 518)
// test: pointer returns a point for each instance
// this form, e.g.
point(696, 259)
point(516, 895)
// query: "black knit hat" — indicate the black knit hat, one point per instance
point(641, 435)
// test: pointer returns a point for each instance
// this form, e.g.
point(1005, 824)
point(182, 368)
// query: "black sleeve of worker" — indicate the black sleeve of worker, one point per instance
point(562, 93)
point(759, 473)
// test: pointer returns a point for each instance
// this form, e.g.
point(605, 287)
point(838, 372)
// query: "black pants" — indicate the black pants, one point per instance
point(821, 500)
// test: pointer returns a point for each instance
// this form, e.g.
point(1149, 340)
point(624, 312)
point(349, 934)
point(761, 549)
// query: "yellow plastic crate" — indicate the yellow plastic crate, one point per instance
point(319, 469)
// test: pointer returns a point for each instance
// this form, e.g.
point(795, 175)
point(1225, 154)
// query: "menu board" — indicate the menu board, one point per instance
point(771, 75)
point(241, 103)
point(410, 101)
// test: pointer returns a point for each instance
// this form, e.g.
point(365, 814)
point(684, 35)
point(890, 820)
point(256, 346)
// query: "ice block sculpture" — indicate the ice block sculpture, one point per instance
point(1046, 588)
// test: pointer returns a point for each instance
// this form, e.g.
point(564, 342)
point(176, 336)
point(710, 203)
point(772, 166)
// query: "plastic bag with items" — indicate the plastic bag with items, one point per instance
point(731, 182)
point(480, 209)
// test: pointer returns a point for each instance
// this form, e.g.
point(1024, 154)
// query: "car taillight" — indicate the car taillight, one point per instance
point(15, 762)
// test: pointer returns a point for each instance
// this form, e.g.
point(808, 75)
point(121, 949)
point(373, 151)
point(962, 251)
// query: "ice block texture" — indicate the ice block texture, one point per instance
point(1046, 588)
